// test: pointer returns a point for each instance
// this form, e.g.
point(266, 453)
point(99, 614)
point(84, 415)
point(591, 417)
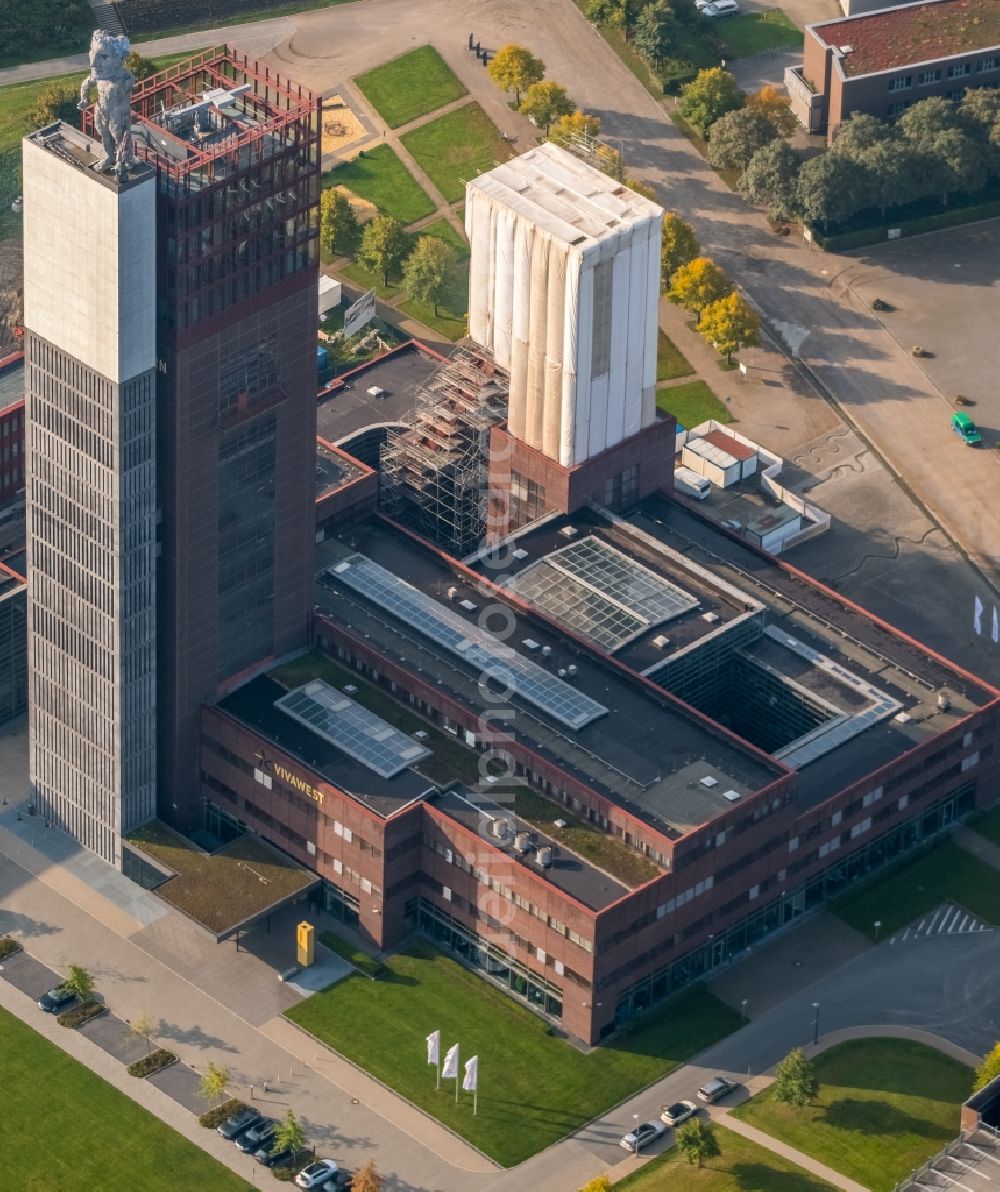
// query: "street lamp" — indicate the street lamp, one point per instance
point(878, 924)
point(816, 1024)
point(744, 1004)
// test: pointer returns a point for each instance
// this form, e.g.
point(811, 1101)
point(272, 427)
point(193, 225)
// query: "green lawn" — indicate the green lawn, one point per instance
point(692, 403)
point(885, 1105)
point(743, 1166)
point(78, 1133)
point(758, 32)
point(533, 1088)
point(456, 148)
point(380, 177)
point(921, 883)
point(671, 362)
point(410, 86)
point(989, 826)
point(443, 230)
point(450, 321)
point(276, 8)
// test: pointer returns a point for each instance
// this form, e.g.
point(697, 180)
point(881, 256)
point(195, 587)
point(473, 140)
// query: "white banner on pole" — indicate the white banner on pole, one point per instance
point(977, 612)
point(471, 1081)
point(434, 1047)
point(450, 1069)
point(359, 314)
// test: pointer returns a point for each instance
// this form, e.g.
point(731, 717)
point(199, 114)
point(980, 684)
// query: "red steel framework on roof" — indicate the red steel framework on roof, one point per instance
point(283, 101)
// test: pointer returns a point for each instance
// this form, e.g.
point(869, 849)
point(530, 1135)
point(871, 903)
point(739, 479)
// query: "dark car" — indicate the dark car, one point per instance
point(271, 1154)
point(239, 1123)
point(56, 1000)
point(253, 1139)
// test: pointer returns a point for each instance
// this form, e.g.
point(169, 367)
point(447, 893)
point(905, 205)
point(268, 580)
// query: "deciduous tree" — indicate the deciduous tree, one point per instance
point(545, 102)
point(795, 1081)
point(926, 119)
point(697, 1141)
point(891, 174)
point(383, 246)
point(712, 94)
point(830, 189)
point(771, 179)
point(698, 283)
point(289, 1135)
point(988, 1070)
point(339, 230)
point(570, 130)
point(428, 270)
point(621, 14)
point(214, 1082)
point(678, 247)
point(964, 165)
point(734, 138)
point(367, 1179)
point(655, 30)
point(515, 68)
point(141, 67)
point(728, 325)
point(142, 1027)
point(79, 982)
point(776, 106)
point(980, 109)
point(859, 134)
point(55, 102)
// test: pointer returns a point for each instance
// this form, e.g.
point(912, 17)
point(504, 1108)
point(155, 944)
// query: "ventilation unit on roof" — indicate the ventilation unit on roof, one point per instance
point(468, 605)
point(902, 718)
point(522, 843)
point(732, 796)
point(350, 689)
point(520, 553)
point(568, 531)
point(571, 669)
point(529, 643)
point(543, 856)
point(452, 592)
point(559, 823)
point(661, 641)
point(546, 651)
point(847, 49)
point(709, 781)
point(710, 618)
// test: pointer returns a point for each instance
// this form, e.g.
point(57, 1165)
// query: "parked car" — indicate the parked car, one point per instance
point(239, 1123)
point(715, 1089)
point(721, 8)
point(56, 1000)
point(271, 1154)
point(642, 1136)
point(680, 1111)
point(254, 1138)
point(966, 429)
point(316, 1174)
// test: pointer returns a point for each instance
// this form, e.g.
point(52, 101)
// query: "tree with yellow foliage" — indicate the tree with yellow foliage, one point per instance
point(678, 247)
point(515, 68)
point(697, 284)
point(728, 325)
point(578, 126)
point(775, 107)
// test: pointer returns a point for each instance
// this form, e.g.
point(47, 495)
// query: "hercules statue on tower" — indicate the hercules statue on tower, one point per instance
point(113, 111)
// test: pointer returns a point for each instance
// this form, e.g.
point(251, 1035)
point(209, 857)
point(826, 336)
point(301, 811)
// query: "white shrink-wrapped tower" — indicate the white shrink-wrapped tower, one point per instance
point(564, 292)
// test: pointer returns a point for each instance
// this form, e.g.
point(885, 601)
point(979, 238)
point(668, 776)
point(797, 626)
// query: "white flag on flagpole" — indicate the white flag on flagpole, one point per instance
point(471, 1081)
point(434, 1047)
point(450, 1069)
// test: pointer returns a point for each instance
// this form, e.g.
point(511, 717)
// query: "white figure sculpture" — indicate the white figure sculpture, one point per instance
point(113, 112)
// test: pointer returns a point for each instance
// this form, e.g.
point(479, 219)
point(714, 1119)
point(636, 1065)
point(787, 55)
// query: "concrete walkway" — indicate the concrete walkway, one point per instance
point(979, 846)
point(725, 1118)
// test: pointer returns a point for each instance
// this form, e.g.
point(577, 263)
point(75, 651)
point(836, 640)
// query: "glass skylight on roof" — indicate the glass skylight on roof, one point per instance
point(352, 729)
point(600, 593)
point(479, 650)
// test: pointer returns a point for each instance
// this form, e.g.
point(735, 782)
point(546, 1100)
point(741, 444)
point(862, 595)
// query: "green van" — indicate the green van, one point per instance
point(966, 429)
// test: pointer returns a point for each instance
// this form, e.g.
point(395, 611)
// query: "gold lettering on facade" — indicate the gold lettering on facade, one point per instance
point(298, 784)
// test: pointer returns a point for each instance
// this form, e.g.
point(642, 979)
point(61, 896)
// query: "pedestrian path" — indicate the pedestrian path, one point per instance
point(948, 919)
point(725, 1118)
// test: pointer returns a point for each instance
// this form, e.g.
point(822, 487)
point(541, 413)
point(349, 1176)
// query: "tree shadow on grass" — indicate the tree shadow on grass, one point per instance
point(758, 1177)
point(879, 1117)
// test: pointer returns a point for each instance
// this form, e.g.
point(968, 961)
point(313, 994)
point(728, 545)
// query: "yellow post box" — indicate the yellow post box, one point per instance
point(306, 944)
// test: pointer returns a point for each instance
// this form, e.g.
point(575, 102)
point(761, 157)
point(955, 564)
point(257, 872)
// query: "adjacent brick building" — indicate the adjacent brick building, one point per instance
point(882, 62)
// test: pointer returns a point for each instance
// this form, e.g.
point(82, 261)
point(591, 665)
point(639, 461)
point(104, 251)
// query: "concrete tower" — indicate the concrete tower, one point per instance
point(564, 292)
point(90, 367)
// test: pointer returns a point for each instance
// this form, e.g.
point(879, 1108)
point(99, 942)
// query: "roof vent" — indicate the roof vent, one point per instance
point(571, 669)
point(546, 651)
point(568, 531)
point(710, 618)
point(520, 553)
point(559, 823)
point(452, 592)
point(543, 856)
point(902, 718)
point(846, 49)
point(661, 641)
point(943, 701)
point(732, 796)
point(350, 689)
point(709, 781)
point(500, 828)
point(469, 605)
point(529, 643)
point(522, 843)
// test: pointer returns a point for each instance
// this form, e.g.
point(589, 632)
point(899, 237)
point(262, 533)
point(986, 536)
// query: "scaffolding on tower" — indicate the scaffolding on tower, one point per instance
point(434, 473)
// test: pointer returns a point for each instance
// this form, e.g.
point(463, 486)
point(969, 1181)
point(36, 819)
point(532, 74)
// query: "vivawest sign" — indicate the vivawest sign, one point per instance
point(359, 314)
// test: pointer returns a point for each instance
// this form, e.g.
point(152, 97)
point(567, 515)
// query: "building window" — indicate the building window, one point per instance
point(527, 500)
point(895, 110)
point(958, 70)
point(621, 492)
point(927, 77)
point(901, 83)
point(985, 64)
point(956, 95)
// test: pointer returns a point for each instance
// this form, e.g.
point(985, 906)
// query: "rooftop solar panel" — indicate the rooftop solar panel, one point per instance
point(527, 679)
point(352, 729)
point(601, 593)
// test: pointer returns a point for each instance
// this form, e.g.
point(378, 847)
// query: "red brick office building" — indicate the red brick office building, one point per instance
point(725, 749)
point(882, 62)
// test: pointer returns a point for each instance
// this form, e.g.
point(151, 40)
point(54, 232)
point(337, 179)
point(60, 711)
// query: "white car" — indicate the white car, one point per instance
point(316, 1174)
point(642, 1136)
point(721, 8)
point(680, 1111)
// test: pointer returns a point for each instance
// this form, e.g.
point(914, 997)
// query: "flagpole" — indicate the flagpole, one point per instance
point(458, 1080)
point(438, 1084)
point(475, 1100)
